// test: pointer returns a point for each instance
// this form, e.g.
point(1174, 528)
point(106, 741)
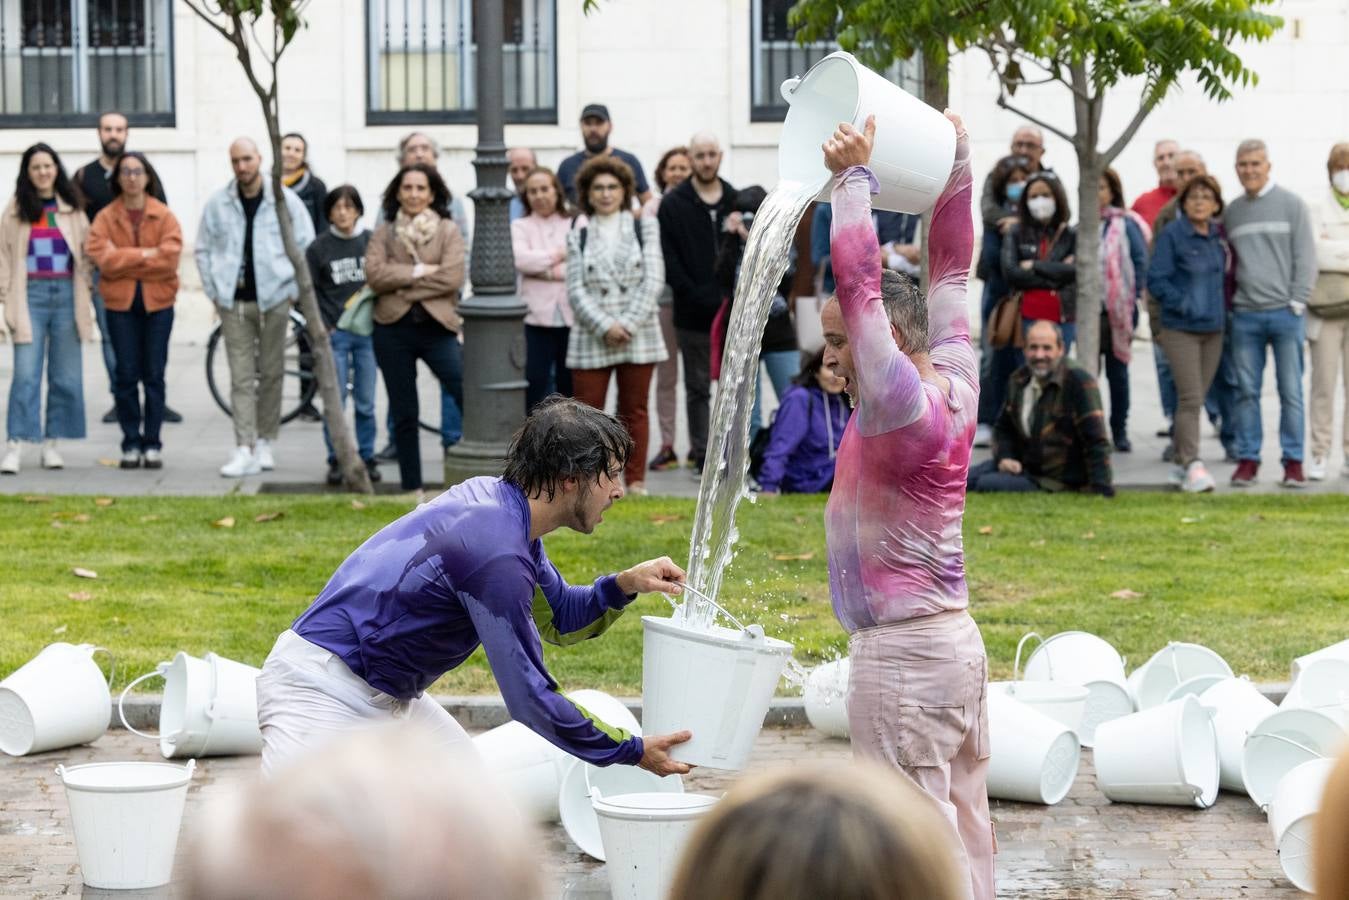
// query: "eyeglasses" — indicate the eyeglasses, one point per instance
point(132, 173)
point(605, 188)
point(1025, 145)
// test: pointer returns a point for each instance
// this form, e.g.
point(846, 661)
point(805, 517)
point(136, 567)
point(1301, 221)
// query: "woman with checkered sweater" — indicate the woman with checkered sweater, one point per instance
point(615, 274)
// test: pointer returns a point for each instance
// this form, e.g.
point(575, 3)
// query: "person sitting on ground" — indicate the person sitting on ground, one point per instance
point(857, 831)
point(806, 432)
point(328, 826)
point(1051, 435)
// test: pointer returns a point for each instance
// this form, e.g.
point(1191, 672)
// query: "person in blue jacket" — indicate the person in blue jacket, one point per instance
point(467, 569)
point(806, 433)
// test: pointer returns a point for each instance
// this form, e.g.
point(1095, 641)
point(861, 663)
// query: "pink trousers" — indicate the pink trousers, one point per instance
point(918, 701)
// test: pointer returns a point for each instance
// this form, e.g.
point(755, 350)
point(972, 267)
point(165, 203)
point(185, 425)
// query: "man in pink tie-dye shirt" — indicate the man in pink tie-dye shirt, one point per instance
point(918, 692)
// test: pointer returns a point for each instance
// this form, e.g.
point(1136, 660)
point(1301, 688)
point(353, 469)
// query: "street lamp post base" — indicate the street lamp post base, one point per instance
point(469, 459)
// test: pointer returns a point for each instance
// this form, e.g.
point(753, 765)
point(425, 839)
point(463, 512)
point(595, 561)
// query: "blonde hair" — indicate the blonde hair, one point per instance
point(1330, 839)
point(858, 831)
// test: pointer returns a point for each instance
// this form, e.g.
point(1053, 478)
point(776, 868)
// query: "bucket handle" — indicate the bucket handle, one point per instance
point(112, 662)
point(1278, 737)
point(719, 608)
point(1016, 666)
point(159, 671)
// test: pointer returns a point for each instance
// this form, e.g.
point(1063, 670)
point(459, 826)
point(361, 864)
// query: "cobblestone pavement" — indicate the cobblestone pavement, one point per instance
point(1085, 847)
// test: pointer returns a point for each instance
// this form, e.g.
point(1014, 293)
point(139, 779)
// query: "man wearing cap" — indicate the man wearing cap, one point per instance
point(595, 128)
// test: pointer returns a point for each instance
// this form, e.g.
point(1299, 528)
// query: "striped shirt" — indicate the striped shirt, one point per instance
point(48, 253)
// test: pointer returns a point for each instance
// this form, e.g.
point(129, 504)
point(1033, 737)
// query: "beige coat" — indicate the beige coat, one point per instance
point(14, 232)
point(388, 273)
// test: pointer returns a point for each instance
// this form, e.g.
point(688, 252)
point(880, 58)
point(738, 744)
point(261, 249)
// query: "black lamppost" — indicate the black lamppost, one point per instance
point(494, 343)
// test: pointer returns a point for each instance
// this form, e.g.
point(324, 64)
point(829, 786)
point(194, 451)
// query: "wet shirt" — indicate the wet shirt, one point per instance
point(416, 599)
point(893, 522)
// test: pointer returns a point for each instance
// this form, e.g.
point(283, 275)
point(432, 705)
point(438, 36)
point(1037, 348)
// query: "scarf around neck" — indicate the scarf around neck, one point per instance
point(1120, 279)
point(415, 232)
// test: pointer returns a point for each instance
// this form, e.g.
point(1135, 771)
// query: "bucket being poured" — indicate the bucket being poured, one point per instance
point(59, 698)
point(1034, 758)
point(915, 144)
point(826, 698)
point(1167, 754)
point(716, 682)
point(1237, 707)
point(644, 836)
point(1152, 683)
point(1292, 818)
point(210, 707)
point(1284, 740)
point(125, 816)
point(1076, 657)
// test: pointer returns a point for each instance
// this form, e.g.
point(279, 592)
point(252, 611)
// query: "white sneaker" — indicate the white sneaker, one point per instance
point(241, 463)
point(1176, 476)
point(10, 464)
point(983, 436)
point(262, 450)
point(50, 458)
point(1316, 469)
point(154, 459)
point(131, 459)
point(1197, 479)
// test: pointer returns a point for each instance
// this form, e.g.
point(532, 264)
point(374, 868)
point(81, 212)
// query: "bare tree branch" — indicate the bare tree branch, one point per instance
point(1129, 131)
point(1002, 102)
point(206, 17)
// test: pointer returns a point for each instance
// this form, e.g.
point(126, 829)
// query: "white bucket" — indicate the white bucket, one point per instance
point(1336, 651)
point(209, 708)
point(1292, 818)
point(125, 816)
point(1075, 657)
point(1034, 758)
point(1286, 739)
point(59, 698)
point(582, 782)
point(1167, 754)
point(1064, 703)
point(1321, 684)
point(826, 698)
point(1237, 707)
point(714, 682)
point(1196, 686)
point(644, 837)
point(529, 766)
point(1152, 683)
point(915, 144)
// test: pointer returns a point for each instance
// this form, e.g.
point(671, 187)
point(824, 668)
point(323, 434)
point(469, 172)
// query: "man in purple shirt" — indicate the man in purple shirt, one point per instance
point(468, 568)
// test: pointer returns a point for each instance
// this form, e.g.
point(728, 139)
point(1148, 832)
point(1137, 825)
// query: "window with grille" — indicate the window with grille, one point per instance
point(775, 56)
point(62, 62)
point(422, 59)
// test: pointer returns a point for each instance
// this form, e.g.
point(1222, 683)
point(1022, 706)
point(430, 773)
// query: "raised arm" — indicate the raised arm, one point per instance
point(950, 247)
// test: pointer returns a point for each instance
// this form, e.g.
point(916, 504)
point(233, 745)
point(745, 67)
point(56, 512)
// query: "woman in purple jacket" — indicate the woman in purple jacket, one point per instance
point(806, 432)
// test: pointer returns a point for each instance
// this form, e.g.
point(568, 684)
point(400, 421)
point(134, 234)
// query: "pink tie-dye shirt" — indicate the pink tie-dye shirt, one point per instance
point(893, 523)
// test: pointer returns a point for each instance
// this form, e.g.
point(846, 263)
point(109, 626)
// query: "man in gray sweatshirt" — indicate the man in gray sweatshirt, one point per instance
point(1271, 233)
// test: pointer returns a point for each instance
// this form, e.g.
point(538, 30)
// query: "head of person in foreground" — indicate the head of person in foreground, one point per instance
point(383, 812)
point(905, 308)
point(858, 831)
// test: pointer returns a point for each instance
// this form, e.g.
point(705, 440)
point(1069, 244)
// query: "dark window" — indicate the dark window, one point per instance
point(775, 56)
point(422, 59)
point(62, 62)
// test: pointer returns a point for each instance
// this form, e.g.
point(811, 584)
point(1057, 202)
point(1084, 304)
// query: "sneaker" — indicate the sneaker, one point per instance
point(309, 414)
point(1292, 474)
point(1197, 479)
point(10, 464)
point(665, 459)
point(154, 459)
point(334, 473)
point(263, 451)
point(1123, 445)
point(1316, 469)
point(695, 463)
point(637, 489)
point(1164, 432)
point(241, 463)
point(110, 417)
point(51, 459)
point(372, 469)
point(1175, 476)
point(131, 459)
point(983, 436)
point(172, 416)
point(1244, 476)
point(388, 454)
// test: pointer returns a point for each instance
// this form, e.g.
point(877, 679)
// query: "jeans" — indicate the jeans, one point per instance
point(255, 342)
point(985, 478)
point(451, 421)
point(782, 366)
point(996, 364)
point(51, 312)
point(1117, 373)
point(696, 349)
point(397, 349)
point(1252, 332)
point(354, 360)
point(634, 390)
point(1221, 401)
point(101, 316)
point(546, 364)
point(141, 345)
point(1166, 385)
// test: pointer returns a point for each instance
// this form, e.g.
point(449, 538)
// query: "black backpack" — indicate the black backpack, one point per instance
point(636, 230)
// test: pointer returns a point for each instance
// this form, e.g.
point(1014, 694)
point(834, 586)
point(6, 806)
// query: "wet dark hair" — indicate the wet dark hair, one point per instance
point(152, 186)
point(1116, 187)
point(1002, 173)
point(1062, 212)
point(25, 194)
point(345, 192)
point(564, 438)
point(810, 369)
point(440, 192)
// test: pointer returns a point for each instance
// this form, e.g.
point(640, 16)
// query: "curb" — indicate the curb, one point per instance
point(483, 712)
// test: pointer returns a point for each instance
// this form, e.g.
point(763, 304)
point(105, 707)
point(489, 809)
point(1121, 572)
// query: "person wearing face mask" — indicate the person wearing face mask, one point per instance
point(1051, 434)
point(1124, 265)
point(1037, 255)
point(1328, 314)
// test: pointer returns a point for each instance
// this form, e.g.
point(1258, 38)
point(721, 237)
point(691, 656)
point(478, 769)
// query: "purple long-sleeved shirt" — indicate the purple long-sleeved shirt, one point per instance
point(806, 432)
point(416, 599)
point(893, 522)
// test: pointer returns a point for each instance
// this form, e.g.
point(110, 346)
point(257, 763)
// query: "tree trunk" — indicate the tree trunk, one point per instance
point(1090, 282)
point(936, 94)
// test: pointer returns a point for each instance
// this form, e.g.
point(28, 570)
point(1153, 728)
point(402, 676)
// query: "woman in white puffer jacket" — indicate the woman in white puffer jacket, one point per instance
point(1328, 319)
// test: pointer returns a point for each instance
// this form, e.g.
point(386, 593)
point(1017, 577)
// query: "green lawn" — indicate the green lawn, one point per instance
point(1260, 579)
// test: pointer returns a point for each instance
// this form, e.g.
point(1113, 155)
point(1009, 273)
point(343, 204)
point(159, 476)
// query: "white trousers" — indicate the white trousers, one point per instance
point(307, 696)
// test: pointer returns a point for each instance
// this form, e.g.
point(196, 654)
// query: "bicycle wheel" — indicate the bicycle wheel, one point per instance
point(298, 386)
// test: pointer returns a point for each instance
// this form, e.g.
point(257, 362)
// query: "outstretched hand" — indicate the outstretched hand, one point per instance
point(850, 147)
point(656, 754)
point(655, 576)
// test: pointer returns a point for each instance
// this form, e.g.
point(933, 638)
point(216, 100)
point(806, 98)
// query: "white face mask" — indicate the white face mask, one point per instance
point(1341, 180)
point(1042, 208)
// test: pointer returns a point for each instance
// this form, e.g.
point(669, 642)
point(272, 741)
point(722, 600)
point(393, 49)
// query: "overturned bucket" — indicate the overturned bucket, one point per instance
point(1335, 651)
point(826, 698)
point(59, 698)
point(644, 837)
point(1151, 684)
point(1237, 707)
point(1321, 684)
point(1167, 754)
point(209, 708)
point(1284, 740)
point(1034, 757)
point(125, 816)
point(1076, 657)
point(1292, 817)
